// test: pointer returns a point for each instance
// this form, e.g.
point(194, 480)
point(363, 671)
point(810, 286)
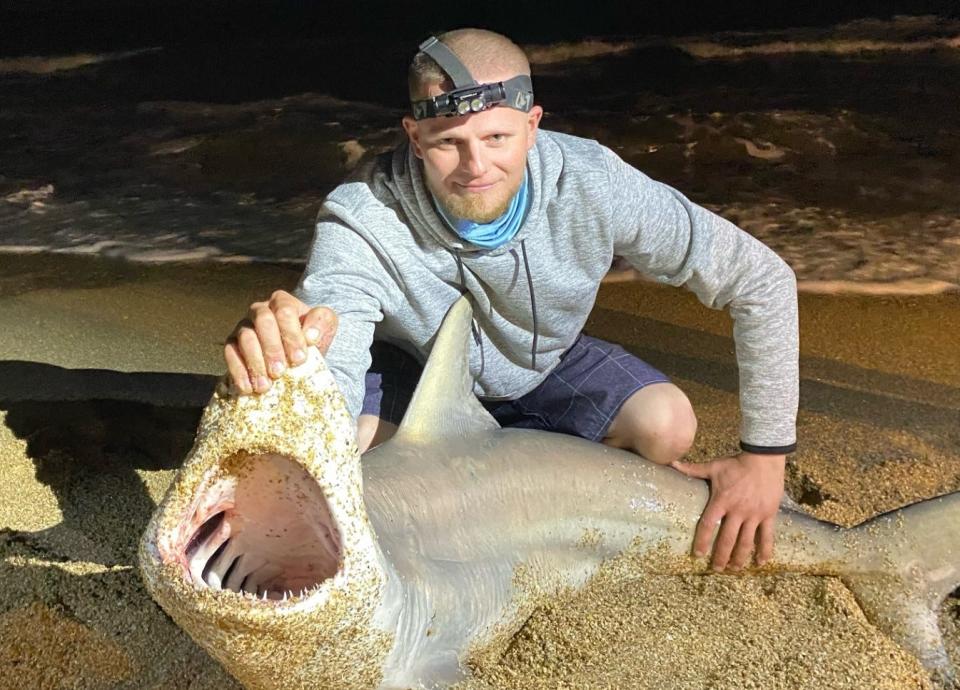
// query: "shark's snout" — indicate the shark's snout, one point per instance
point(261, 527)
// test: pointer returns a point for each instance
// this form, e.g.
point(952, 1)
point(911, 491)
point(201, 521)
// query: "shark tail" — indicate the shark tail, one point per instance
point(905, 564)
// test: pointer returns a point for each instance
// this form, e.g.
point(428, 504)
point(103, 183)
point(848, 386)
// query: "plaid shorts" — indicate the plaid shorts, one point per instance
point(581, 396)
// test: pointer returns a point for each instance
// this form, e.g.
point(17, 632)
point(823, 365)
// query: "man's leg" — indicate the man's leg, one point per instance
point(372, 431)
point(389, 385)
point(656, 422)
point(601, 392)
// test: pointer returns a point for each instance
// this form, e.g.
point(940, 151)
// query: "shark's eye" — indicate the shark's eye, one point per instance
point(269, 534)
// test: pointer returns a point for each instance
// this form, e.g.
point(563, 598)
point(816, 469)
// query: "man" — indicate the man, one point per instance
point(527, 221)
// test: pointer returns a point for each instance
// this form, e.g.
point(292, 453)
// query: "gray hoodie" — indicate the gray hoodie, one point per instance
point(389, 265)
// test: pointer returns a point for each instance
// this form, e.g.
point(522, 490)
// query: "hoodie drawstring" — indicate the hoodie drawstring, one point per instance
point(533, 305)
point(474, 327)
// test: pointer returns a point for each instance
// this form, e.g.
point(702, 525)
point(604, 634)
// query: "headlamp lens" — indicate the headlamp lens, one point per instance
point(516, 93)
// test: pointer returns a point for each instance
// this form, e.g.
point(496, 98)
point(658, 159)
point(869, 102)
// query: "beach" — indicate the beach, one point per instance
point(107, 366)
point(150, 191)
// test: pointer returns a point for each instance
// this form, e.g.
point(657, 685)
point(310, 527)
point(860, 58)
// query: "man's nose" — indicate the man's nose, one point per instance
point(472, 159)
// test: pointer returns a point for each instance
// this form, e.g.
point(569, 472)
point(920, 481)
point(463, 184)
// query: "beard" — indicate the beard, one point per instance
point(479, 208)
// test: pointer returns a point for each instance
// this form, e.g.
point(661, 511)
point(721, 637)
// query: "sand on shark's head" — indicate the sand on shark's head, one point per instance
point(261, 548)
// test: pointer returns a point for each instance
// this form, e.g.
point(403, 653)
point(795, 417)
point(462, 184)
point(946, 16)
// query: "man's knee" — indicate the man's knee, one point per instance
point(657, 422)
point(372, 431)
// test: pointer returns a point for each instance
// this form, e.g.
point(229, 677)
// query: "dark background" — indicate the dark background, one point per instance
point(58, 26)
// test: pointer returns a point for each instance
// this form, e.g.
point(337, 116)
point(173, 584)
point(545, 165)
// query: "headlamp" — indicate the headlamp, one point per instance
point(468, 96)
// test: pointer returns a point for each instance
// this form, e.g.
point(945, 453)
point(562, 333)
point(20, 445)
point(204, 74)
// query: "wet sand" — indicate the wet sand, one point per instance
point(105, 367)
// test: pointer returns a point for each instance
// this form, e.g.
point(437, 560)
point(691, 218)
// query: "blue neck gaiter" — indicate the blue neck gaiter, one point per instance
point(496, 233)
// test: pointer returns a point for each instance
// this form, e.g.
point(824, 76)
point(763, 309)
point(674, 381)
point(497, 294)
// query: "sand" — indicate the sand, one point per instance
point(105, 367)
point(715, 632)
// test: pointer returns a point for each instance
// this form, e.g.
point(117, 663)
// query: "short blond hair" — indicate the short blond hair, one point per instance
point(485, 53)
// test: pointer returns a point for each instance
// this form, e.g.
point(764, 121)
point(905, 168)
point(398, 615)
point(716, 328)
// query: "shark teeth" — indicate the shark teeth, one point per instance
point(275, 595)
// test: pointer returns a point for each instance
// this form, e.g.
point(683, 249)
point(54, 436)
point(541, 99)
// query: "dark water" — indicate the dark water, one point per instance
point(47, 27)
point(837, 145)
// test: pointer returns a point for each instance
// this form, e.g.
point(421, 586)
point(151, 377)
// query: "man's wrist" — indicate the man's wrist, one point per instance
point(766, 467)
point(764, 458)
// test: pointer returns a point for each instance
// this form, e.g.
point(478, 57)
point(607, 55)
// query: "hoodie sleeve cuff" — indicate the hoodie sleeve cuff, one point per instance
point(768, 450)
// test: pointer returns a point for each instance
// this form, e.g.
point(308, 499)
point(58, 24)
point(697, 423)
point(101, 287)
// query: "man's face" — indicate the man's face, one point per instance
point(474, 163)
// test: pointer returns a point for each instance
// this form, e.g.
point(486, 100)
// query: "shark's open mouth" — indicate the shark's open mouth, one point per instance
point(262, 528)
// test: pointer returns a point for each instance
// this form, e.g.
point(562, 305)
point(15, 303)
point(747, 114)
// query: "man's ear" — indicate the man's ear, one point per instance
point(533, 123)
point(413, 133)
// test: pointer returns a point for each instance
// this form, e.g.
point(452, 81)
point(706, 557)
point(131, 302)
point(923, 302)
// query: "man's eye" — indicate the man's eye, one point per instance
point(497, 138)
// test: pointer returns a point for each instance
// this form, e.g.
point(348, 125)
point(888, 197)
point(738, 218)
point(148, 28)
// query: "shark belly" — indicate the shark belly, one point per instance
point(473, 527)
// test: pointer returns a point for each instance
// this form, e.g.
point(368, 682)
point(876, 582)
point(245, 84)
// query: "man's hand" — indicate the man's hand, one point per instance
point(745, 493)
point(275, 334)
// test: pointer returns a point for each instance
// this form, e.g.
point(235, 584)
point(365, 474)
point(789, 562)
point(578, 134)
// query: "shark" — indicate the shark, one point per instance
point(297, 563)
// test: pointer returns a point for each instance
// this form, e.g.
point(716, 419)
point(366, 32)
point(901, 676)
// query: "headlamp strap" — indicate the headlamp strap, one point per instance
point(449, 62)
point(468, 96)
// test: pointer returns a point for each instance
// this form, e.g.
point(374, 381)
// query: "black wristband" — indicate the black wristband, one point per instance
point(768, 450)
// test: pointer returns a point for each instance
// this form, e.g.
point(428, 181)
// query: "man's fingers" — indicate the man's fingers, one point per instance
point(271, 339)
point(726, 539)
point(271, 344)
point(319, 327)
point(706, 528)
point(698, 470)
point(291, 334)
point(289, 312)
point(237, 368)
point(744, 547)
point(249, 346)
point(765, 541)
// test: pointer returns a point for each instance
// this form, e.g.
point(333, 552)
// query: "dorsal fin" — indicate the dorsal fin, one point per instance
point(443, 405)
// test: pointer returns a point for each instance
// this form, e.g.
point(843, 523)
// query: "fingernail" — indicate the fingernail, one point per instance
point(263, 383)
point(299, 356)
point(276, 368)
point(699, 554)
point(312, 335)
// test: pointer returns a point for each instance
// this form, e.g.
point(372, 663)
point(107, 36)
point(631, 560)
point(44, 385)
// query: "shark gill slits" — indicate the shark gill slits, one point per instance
point(243, 582)
point(203, 533)
point(226, 575)
point(213, 558)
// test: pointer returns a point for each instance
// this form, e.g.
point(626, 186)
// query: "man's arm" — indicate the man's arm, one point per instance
point(345, 273)
point(674, 241)
point(344, 278)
